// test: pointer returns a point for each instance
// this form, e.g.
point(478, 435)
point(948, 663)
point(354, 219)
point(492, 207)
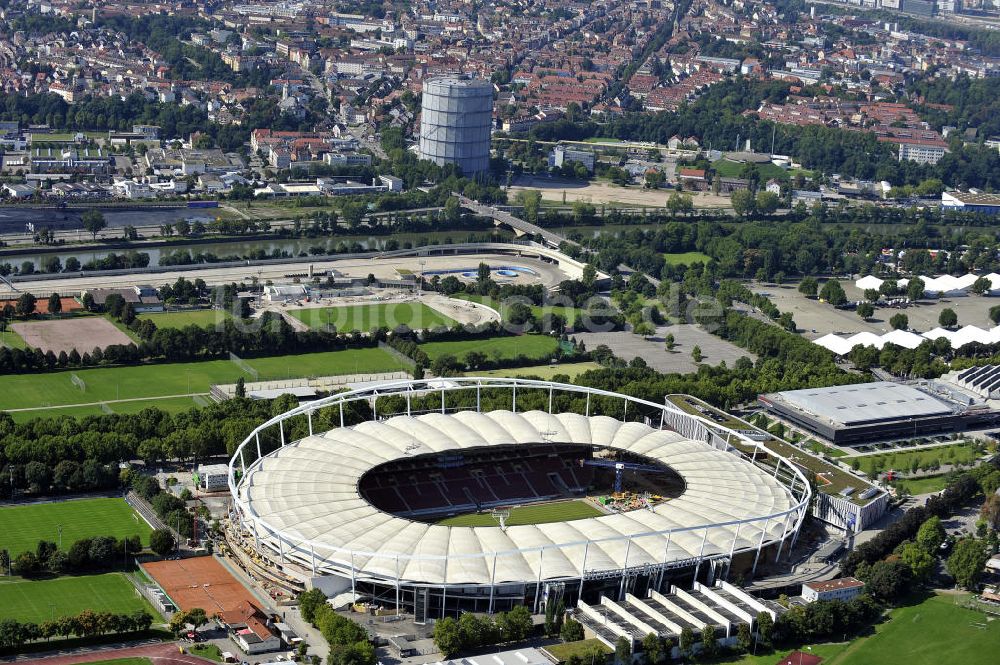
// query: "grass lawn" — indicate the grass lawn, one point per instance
point(12, 340)
point(686, 258)
point(195, 317)
point(598, 139)
point(930, 632)
point(543, 513)
point(729, 169)
point(365, 318)
point(168, 404)
point(209, 651)
point(114, 383)
point(903, 460)
point(21, 527)
point(545, 372)
point(530, 346)
point(43, 600)
point(562, 652)
point(926, 485)
point(569, 313)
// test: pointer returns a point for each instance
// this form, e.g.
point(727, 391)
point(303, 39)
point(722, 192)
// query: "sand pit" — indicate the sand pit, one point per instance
point(83, 334)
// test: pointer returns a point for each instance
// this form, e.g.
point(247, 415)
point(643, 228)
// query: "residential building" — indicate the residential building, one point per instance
point(842, 588)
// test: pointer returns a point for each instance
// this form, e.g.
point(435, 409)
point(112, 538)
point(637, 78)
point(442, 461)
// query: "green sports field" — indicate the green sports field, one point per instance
point(104, 384)
point(366, 318)
point(569, 313)
point(543, 513)
point(43, 600)
point(168, 404)
point(180, 319)
point(21, 527)
point(530, 346)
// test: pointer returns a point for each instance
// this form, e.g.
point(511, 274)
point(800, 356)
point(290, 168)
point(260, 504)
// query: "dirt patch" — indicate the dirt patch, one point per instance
point(199, 582)
point(42, 305)
point(598, 192)
point(82, 334)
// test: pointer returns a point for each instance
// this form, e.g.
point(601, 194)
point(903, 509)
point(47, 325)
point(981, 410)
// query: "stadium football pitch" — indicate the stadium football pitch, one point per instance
point(21, 527)
point(44, 600)
point(366, 318)
point(542, 513)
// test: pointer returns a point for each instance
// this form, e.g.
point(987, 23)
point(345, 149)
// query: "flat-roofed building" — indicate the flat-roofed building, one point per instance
point(874, 411)
point(842, 588)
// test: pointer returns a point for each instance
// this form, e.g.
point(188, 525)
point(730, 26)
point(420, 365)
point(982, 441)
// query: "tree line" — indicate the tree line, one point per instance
point(15, 634)
point(348, 640)
point(85, 555)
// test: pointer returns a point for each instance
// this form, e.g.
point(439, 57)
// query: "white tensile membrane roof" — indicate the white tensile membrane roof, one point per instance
point(308, 491)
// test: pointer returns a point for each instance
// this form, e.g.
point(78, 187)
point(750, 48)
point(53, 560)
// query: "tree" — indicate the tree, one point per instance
point(744, 637)
point(899, 321)
point(948, 318)
point(93, 222)
point(871, 295)
point(516, 624)
point(833, 293)
point(309, 602)
point(887, 579)
point(696, 354)
point(669, 342)
point(995, 314)
point(966, 562)
point(931, 534)
point(743, 202)
point(866, 310)
point(531, 199)
point(709, 642)
point(981, 286)
point(990, 511)
point(765, 627)
point(652, 647)
point(55, 304)
point(161, 541)
point(623, 651)
point(767, 202)
point(809, 287)
point(572, 631)
point(25, 306)
point(447, 637)
point(241, 387)
point(915, 289)
point(919, 560)
point(686, 641)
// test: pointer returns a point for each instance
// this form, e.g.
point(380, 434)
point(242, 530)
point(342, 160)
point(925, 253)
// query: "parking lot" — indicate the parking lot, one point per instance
point(815, 319)
point(653, 350)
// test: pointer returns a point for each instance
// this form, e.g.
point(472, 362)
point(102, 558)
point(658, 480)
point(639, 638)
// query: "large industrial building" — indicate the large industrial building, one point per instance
point(357, 510)
point(864, 412)
point(455, 122)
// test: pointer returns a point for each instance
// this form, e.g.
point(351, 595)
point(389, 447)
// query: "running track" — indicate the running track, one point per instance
point(160, 654)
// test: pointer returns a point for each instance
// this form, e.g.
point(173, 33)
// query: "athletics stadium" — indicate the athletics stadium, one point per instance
point(434, 497)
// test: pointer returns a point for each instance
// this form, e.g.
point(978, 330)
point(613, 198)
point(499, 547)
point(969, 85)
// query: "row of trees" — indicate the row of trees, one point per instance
point(471, 631)
point(15, 634)
point(83, 556)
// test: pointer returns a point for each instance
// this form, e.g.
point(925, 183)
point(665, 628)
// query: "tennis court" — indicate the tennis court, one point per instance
point(199, 582)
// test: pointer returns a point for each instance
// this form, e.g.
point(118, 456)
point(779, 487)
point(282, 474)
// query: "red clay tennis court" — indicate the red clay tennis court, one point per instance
point(199, 582)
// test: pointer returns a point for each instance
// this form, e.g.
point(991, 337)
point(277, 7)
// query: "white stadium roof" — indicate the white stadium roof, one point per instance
point(308, 492)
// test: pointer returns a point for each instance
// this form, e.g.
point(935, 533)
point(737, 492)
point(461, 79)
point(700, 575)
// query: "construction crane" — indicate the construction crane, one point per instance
point(620, 468)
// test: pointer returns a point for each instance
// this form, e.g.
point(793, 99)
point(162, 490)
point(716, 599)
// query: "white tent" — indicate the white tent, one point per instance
point(868, 282)
point(903, 338)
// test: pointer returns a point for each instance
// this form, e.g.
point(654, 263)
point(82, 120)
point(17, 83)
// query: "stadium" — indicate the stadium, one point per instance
point(479, 494)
